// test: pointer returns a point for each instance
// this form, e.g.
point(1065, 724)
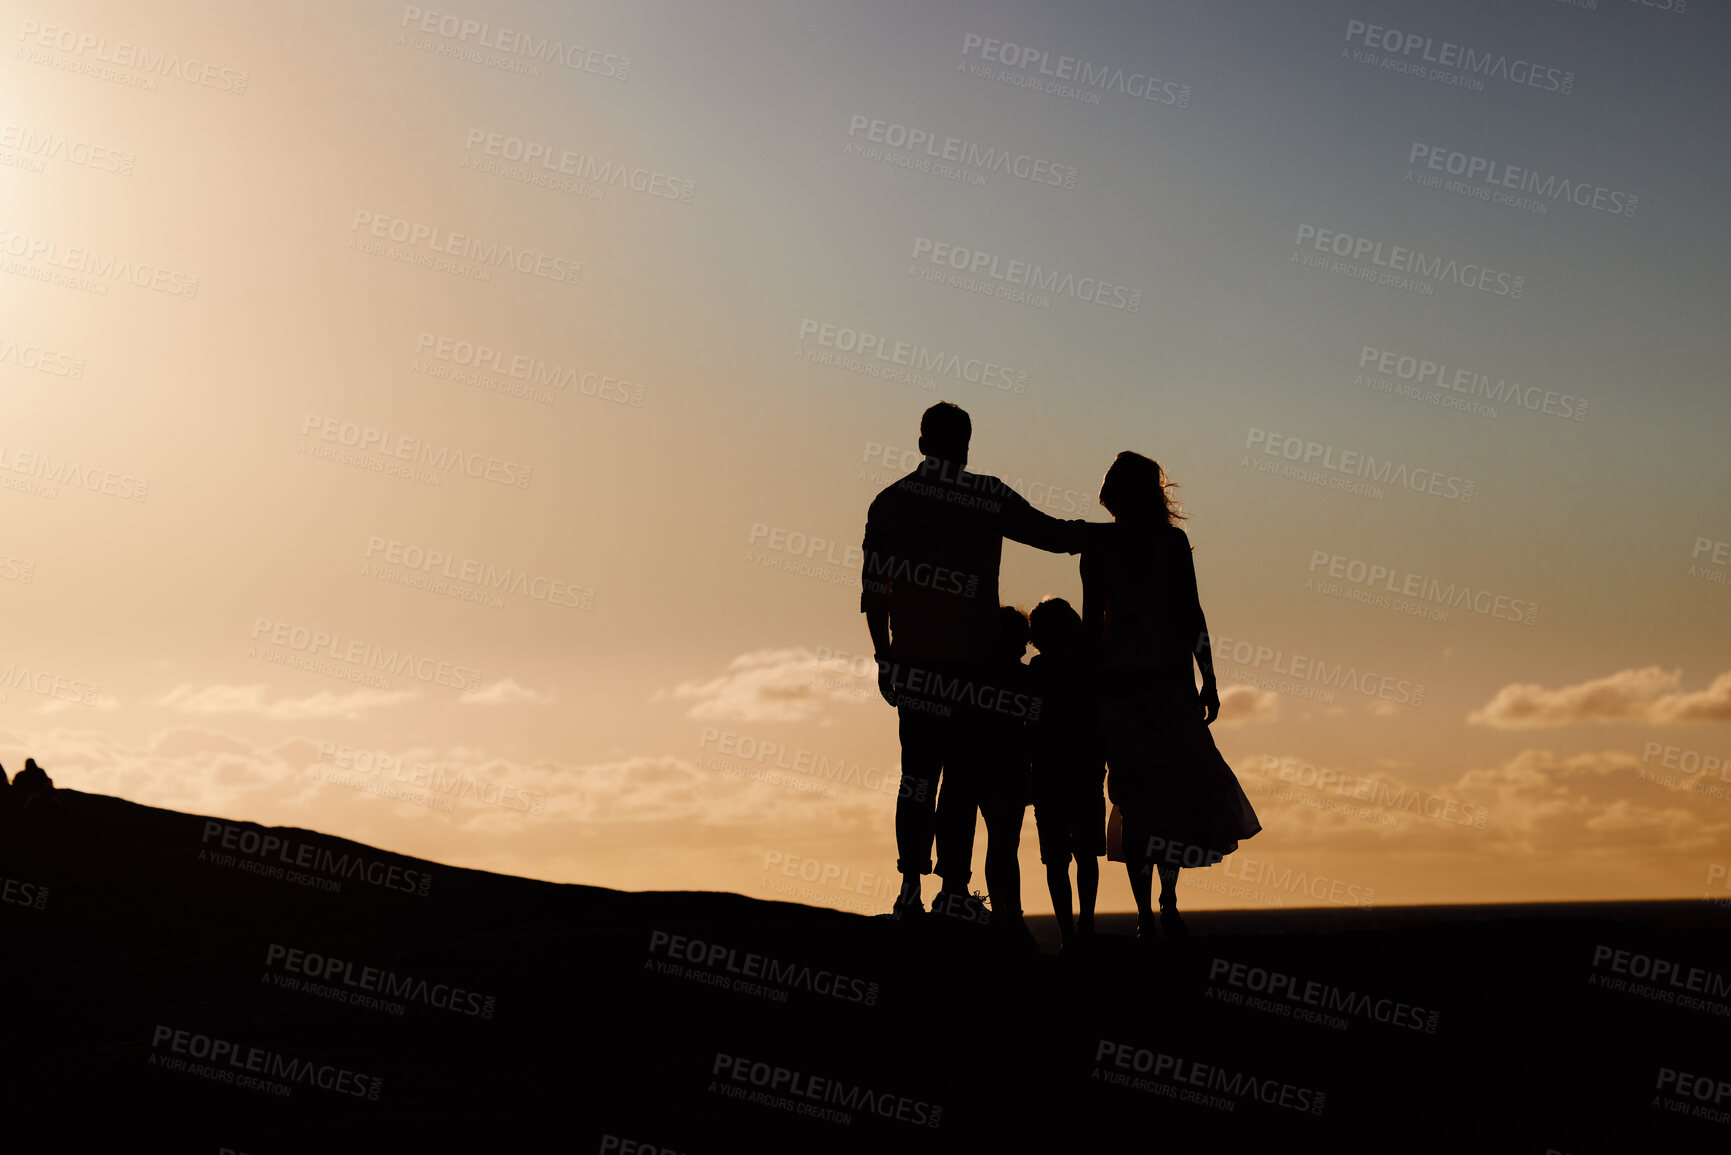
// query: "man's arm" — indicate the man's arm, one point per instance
point(874, 603)
point(1022, 522)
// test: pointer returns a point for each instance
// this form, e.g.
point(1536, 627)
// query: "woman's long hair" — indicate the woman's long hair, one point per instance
point(1136, 490)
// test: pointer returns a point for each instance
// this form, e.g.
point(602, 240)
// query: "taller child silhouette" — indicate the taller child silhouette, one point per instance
point(933, 543)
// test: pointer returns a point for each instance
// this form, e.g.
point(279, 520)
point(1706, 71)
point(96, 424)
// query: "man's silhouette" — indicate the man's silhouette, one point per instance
point(933, 543)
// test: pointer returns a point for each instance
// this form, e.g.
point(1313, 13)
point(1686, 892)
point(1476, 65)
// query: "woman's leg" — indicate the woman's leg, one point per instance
point(1171, 925)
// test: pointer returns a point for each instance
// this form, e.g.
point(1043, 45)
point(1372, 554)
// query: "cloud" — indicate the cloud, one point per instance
point(1583, 811)
point(229, 699)
point(506, 692)
point(776, 686)
point(104, 702)
point(1649, 695)
point(1241, 705)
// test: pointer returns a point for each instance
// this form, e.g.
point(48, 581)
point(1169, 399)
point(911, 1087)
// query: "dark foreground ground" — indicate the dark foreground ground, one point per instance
point(165, 992)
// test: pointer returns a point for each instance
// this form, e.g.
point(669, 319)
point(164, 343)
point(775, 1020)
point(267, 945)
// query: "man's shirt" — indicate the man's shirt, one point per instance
point(933, 544)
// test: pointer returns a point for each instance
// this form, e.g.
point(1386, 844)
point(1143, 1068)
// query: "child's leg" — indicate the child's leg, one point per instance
point(1139, 864)
point(1003, 846)
point(1087, 887)
point(958, 807)
point(1142, 887)
point(1058, 882)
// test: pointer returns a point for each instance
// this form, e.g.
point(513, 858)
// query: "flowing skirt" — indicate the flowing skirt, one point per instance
point(1182, 803)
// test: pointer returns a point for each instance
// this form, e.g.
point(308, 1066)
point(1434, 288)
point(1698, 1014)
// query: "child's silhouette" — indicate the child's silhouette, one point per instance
point(992, 778)
point(1069, 765)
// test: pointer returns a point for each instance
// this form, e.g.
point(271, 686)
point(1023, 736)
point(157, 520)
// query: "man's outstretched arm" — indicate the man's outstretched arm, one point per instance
point(1022, 522)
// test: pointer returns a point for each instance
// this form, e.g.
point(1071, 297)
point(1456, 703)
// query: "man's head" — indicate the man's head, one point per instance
point(944, 433)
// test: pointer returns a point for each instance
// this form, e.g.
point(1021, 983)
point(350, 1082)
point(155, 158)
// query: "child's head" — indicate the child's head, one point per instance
point(1054, 627)
point(1012, 633)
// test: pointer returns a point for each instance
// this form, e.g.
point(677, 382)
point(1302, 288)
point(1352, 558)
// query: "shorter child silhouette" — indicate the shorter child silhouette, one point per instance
point(1069, 765)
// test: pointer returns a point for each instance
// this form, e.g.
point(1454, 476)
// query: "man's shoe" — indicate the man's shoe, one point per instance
point(907, 905)
point(962, 907)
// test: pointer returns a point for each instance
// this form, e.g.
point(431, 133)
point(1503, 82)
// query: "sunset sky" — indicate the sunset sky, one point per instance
point(609, 565)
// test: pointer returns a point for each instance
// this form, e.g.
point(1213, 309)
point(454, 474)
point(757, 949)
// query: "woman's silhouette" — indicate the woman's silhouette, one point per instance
point(1181, 802)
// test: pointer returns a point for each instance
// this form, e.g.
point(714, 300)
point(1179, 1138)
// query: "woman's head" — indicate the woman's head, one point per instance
point(1137, 490)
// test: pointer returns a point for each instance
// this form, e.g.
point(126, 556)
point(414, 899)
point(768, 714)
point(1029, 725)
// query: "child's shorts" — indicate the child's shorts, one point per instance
point(1074, 826)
